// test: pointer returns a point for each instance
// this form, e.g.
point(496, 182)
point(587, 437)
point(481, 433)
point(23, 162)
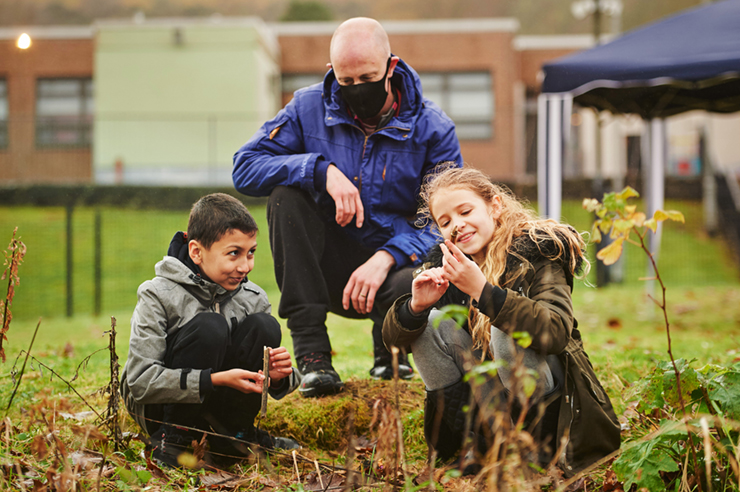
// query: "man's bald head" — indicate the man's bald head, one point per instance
point(359, 36)
point(361, 54)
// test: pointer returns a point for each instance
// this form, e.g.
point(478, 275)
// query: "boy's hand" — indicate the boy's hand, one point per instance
point(280, 365)
point(239, 379)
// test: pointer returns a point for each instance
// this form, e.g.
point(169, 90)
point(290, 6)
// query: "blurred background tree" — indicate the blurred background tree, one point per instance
point(306, 11)
point(535, 16)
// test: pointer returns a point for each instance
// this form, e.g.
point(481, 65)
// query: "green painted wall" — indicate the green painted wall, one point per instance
point(174, 101)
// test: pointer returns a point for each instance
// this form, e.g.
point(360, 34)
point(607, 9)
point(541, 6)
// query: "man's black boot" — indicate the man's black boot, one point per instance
point(319, 377)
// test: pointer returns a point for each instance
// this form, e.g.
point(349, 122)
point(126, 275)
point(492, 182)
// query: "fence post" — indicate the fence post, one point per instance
point(70, 262)
point(98, 264)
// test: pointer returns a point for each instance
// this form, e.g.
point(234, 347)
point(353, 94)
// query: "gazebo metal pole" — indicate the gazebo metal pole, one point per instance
point(554, 157)
point(655, 187)
point(542, 106)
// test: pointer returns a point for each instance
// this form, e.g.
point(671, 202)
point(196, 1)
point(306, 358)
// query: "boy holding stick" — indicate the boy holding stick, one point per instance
point(198, 333)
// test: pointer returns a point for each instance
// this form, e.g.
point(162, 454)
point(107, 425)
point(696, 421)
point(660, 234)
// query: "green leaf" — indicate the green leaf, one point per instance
point(605, 225)
point(639, 219)
point(488, 368)
point(689, 383)
point(143, 476)
point(455, 312)
point(596, 233)
point(610, 254)
point(523, 338)
point(649, 392)
point(126, 475)
point(651, 224)
point(591, 204)
point(623, 225)
point(725, 390)
point(610, 201)
point(675, 215)
point(660, 216)
point(672, 430)
point(641, 464)
point(627, 193)
point(529, 385)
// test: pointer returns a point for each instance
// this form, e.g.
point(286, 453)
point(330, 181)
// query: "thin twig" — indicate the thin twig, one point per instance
point(399, 425)
point(102, 466)
point(266, 381)
point(13, 259)
point(295, 462)
point(111, 420)
point(69, 385)
point(318, 472)
point(25, 361)
point(662, 306)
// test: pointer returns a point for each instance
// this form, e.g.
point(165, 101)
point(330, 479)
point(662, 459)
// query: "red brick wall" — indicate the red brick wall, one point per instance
point(532, 62)
point(21, 162)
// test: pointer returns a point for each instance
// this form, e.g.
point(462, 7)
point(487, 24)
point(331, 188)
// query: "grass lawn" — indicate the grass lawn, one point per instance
point(622, 330)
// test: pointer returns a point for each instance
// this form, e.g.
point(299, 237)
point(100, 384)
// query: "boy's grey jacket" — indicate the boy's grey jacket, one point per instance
point(165, 304)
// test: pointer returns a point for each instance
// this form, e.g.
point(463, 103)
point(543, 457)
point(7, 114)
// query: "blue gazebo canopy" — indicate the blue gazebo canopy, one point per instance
point(685, 62)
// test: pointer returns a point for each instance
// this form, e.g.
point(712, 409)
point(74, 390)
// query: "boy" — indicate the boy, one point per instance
point(197, 338)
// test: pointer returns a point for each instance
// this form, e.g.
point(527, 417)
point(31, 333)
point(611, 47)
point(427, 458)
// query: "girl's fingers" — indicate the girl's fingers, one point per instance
point(454, 250)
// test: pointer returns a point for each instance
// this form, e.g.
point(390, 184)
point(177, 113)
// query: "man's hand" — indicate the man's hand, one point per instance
point(427, 289)
point(280, 365)
point(346, 197)
point(239, 379)
point(365, 282)
point(462, 271)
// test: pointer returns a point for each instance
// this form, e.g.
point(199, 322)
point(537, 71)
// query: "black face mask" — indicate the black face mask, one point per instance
point(367, 99)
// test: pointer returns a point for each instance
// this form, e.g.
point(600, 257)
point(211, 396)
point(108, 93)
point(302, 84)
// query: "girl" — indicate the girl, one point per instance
point(516, 272)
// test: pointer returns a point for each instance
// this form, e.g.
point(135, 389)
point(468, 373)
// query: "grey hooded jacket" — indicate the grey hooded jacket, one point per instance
point(165, 304)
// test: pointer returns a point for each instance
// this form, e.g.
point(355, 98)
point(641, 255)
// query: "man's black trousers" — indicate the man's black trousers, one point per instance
point(314, 260)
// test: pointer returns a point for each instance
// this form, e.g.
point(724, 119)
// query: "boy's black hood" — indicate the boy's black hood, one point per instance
point(179, 249)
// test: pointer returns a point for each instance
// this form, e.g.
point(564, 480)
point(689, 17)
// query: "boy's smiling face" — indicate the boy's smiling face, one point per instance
point(228, 261)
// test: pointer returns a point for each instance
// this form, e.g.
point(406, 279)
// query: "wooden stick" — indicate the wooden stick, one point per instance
point(295, 463)
point(266, 381)
point(318, 471)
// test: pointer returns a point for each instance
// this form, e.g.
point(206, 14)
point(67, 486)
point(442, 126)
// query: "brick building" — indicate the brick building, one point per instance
point(55, 129)
point(46, 105)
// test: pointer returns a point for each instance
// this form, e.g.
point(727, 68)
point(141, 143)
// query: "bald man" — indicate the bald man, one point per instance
point(342, 164)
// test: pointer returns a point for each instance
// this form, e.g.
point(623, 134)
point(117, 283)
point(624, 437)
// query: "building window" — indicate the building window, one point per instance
point(467, 98)
point(64, 112)
point(3, 114)
point(295, 81)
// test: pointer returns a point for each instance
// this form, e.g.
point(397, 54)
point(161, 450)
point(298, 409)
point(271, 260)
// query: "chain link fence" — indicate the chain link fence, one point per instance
point(91, 259)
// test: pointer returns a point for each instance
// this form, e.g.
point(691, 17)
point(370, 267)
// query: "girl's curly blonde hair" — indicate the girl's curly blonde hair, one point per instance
point(516, 219)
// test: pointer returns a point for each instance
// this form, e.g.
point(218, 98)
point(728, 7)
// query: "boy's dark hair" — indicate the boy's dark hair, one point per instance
point(214, 215)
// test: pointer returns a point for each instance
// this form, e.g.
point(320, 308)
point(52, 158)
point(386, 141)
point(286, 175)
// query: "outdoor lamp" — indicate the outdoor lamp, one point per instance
point(24, 41)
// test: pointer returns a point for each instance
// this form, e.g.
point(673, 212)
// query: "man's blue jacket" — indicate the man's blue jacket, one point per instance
point(315, 129)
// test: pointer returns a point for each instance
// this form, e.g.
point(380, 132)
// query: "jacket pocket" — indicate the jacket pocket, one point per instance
point(595, 389)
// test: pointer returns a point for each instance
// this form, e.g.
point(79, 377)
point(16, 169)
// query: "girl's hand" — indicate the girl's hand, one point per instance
point(280, 365)
point(239, 379)
point(427, 288)
point(462, 271)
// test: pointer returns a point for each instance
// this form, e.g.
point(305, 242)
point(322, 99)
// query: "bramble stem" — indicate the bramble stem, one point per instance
point(662, 306)
point(23, 369)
